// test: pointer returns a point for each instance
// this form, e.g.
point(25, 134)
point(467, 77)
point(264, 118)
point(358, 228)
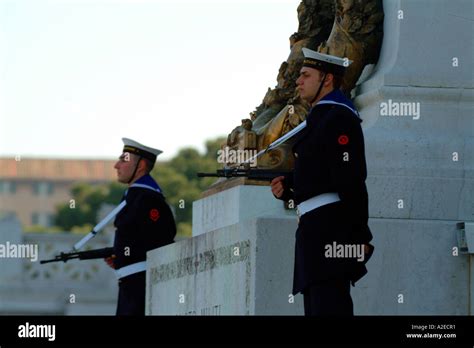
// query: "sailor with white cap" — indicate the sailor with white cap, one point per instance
point(141, 152)
point(328, 187)
point(145, 223)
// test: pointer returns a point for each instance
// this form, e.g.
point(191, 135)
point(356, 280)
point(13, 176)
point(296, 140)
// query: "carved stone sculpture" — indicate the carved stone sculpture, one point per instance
point(346, 28)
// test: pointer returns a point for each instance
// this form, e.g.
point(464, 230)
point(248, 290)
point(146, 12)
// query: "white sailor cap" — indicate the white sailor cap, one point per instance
point(136, 148)
point(325, 62)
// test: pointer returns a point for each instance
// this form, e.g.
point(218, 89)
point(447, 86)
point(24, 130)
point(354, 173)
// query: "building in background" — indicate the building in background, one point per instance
point(30, 188)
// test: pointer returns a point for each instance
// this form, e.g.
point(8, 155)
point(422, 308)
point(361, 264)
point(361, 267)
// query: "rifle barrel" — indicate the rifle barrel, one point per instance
point(252, 174)
point(82, 255)
point(61, 257)
point(96, 254)
point(203, 175)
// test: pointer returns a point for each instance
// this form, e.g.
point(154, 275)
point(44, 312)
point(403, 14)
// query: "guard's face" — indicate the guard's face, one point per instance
point(125, 167)
point(308, 83)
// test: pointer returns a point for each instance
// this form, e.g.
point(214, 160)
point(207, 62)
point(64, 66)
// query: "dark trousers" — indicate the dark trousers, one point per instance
point(331, 298)
point(131, 297)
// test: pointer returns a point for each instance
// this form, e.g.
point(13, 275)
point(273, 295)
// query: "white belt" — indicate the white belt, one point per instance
point(130, 269)
point(316, 202)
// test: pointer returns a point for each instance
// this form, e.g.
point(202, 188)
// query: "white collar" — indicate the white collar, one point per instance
point(333, 102)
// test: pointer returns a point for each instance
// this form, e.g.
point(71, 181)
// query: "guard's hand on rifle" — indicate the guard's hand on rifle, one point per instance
point(277, 186)
point(110, 261)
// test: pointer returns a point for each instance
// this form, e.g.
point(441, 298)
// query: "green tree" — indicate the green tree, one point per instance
point(85, 206)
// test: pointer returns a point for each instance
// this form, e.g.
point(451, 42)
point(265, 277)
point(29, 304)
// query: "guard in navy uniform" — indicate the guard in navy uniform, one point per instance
point(145, 223)
point(328, 187)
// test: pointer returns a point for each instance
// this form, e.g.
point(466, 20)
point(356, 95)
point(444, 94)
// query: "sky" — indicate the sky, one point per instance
point(77, 76)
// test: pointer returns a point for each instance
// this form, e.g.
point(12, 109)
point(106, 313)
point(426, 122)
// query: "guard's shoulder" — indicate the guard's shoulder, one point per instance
point(339, 115)
point(143, 194)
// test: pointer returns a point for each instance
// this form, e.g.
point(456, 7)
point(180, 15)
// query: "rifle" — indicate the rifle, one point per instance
point(252, 174)
point(257, 174)
point(82, 255)
point(90, 254)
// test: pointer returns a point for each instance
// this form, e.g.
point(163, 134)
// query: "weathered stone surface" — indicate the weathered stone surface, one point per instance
point(241, 269)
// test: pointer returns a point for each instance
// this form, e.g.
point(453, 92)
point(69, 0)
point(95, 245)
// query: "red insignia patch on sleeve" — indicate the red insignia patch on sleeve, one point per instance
point(154, 214)
point(343, 140)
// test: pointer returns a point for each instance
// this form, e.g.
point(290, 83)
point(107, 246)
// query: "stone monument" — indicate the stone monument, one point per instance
point(418, 121)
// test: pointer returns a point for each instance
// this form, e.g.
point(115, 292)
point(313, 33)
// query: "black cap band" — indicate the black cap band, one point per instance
point(140, 152)
point(323, 66)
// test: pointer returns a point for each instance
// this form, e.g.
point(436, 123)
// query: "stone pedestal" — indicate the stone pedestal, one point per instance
point(233, 205)
point(421, 168)
point(413, 271)
point(243, 268)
